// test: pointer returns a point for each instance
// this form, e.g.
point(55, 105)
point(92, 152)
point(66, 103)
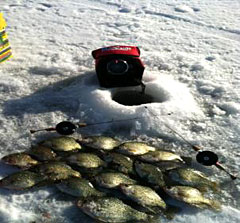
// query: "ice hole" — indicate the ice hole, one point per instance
point(136, 97)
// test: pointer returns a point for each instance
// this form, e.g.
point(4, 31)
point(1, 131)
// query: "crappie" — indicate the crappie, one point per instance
point(20, 180)
point(120, 162)
point(192, 196)
point(135, 148)
point(145, 197)
point(78, 187)
point(113, 179)
point(160, 155)
point(194, 178)
point(100, 142)
point(54, 171)
point(61, 143)
point(22, 160)
point(86, 160)
point(150, 173)
point(42, 153)
point(110, 209)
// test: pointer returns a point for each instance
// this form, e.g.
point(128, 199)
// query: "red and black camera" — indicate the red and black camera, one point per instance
point(118, 66)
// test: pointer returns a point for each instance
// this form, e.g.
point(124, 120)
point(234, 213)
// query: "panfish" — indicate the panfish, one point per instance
point(160, 155)
point(194, 178)
point(42, 153)
point(135, 148)
point(120, 162)
point(21, 160)
point(86, 160)
point(145, 197)
point(54, 171)
point(192, 196)
point(61, 144)
point(113, 179)
point(100, 142)
point(150, 173)
point(21, 180)
point(78, 187)
point(111, 209)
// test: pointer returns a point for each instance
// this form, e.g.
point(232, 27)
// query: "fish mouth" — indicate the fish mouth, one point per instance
point(7, 160)
point(123, 187)
point(167, 188)
point(80, 203)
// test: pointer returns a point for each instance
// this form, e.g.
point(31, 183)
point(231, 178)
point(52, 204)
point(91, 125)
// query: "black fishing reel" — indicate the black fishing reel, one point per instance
point(66, 128)
point(209, 158)
point(206, 158)
point(62, 128)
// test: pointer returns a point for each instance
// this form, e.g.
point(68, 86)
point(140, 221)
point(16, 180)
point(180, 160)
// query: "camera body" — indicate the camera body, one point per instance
point(118, 66)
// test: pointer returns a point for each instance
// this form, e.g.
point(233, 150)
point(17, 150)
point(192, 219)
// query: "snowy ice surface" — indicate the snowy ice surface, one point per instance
point(191, 52)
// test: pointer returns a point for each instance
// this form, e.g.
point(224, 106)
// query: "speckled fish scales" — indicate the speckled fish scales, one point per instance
point(61, 143)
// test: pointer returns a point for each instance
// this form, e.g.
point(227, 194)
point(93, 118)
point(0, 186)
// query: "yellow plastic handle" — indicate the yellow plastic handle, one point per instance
point(5, 49)
point(3, 23)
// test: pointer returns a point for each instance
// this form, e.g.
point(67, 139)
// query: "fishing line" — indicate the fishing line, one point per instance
point(68, 128)
point(206, 158)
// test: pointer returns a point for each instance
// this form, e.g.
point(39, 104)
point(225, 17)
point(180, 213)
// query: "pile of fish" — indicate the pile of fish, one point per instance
point(112, 181)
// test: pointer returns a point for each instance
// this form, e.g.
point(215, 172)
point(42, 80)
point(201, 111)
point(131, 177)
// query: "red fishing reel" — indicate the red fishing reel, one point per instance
point(118, 66)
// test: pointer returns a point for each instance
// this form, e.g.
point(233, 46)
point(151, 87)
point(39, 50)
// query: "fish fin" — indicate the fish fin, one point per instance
point(203, 188)
point(187, 160)
point(215, 205)
point(44, 183)
point(168, 181)
point(171, 211)
point(153, 219)
point(215, 187)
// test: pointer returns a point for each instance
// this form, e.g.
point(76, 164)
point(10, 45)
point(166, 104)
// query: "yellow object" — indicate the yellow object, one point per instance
point(5, 49)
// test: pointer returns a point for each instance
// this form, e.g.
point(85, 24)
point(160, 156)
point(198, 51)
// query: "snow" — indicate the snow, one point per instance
point(191, 52)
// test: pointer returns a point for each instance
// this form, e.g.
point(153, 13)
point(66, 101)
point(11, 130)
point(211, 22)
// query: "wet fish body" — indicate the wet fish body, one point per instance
point(113, 179)
point(78, 187)
point(110, 209)
point(21, 180)
point(86, 160)
point(42, 153)
point(150, 173)
point(120, 162)
point(54, 171)
point(21, 160)
point(62, 144)
point(145, 197)
point(194, 178)
point(160, 155)
point(100, 142)
point(192, 196)
point(135, 148)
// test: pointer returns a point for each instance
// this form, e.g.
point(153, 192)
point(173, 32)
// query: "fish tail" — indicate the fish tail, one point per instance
point(187, 160)
point(215, 205)
point(215, 186)
point(152, 219)
point(203, 188)
point(171, 211)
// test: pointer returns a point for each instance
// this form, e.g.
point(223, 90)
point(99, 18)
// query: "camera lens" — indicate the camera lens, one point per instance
point(117, 67)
